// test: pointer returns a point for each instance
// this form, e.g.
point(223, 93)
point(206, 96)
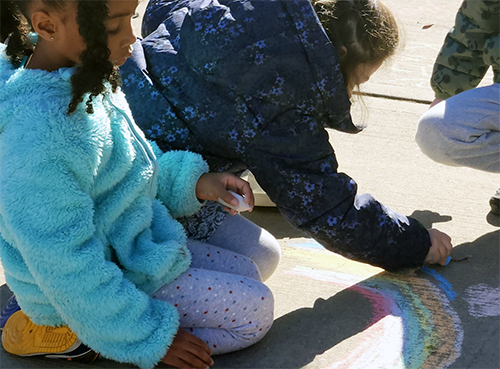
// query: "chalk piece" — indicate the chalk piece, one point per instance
point(448, 259)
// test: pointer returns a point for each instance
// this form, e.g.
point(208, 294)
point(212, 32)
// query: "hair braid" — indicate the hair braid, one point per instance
point(94, 67)
point(15, 28)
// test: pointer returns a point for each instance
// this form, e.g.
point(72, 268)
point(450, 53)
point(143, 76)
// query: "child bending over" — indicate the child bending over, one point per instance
point(89, 242)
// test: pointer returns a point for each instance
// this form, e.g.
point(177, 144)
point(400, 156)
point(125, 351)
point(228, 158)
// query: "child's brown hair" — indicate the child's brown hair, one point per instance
point(365, 28)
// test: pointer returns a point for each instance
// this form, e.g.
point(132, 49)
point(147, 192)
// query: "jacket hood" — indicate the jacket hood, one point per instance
point(33, 83)
point(244, 49)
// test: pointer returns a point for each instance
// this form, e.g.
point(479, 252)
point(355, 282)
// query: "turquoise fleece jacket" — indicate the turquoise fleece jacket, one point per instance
point(84, 239)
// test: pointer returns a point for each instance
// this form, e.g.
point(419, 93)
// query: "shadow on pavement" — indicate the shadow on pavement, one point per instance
point(428, 218)
point(493, 219)
point(271, 219)
point(299, 336)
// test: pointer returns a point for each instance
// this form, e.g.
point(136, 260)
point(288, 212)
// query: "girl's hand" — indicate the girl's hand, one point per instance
point(188, 352)
point(212, 186)
point(440, 247)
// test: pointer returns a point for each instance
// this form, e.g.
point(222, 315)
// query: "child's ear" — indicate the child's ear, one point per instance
point(44, 24)
point(342, 51)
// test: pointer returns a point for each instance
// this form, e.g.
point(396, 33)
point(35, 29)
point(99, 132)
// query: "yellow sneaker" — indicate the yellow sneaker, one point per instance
point(22, 337)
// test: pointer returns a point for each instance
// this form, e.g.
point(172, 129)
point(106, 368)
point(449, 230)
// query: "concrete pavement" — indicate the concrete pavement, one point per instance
point(334, 313)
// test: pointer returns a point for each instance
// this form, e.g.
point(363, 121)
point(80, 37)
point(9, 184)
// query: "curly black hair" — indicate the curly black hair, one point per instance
point(15, 29)
point(94, 68)
point(5, 20)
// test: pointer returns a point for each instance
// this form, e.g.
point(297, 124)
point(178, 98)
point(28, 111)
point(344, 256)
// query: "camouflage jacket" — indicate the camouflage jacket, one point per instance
point(470, 48)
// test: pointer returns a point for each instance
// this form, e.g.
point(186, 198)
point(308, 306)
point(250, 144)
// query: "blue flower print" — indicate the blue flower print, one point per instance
point(259, 59)
point(276, 91)
point(331, 221)
point(182, 132)
point(306, 200)
point(260, 44)
point(189, 111)
point(250, 133)
point(331, 233)
point(310, 187)
point(209, 66)
point(233, 135)
point(325, 167)
point(230, 87)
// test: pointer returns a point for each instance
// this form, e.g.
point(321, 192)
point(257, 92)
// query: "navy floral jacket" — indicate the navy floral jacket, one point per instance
point(254, 84)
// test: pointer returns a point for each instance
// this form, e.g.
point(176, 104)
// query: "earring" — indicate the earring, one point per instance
point(52, 37)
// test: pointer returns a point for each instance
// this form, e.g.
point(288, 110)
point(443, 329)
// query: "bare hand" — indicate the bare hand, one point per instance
point(440, 247)
point(188, 352)
point(212, 186)
point(436, 101)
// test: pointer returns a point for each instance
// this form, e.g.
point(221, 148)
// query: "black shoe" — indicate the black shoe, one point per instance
point(495, 203)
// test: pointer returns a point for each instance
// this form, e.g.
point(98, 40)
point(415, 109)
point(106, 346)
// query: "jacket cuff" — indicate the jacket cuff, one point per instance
point(147, 354)
point(441, 96)
point(177, 179)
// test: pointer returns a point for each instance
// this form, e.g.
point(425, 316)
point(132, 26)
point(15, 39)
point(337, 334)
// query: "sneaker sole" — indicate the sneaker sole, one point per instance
point(86, 356)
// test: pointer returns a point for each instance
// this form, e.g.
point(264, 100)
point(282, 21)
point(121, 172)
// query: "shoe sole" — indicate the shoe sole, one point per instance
point(86, 356)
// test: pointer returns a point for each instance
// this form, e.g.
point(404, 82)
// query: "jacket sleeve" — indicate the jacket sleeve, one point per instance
point(47, 215)
point(297, 168)
point(179, 172)
point(266, 106)
point(469, 49)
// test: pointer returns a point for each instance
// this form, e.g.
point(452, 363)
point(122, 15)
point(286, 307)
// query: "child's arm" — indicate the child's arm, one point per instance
point(181, 172)
point(188, 351)
point(440, 247)
point(55, 252)
point(215, 186)
point(470, 48)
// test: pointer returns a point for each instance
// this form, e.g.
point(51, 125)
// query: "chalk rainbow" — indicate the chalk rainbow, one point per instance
point(413, 324)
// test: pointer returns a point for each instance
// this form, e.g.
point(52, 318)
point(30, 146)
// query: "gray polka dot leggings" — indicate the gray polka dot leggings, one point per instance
point(221, 298)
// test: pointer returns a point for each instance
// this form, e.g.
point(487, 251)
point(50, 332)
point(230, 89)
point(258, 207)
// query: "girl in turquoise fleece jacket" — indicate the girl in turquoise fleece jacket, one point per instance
point(88, 238)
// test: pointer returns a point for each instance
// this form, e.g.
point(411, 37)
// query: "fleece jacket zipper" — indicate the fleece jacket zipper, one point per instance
point(147, 152)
